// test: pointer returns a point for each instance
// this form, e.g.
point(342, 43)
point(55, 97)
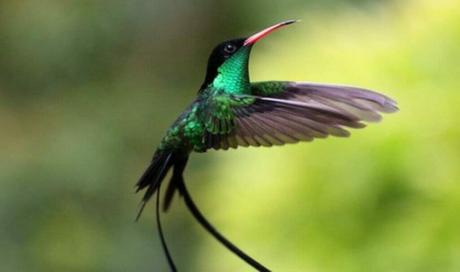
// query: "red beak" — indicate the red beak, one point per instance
point(259, 35)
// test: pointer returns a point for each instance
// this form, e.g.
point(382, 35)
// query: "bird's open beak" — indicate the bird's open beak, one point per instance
point(259, 35)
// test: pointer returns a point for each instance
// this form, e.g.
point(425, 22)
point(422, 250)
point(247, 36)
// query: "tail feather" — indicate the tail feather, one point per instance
point(176, 179)
point(170, 192)
point(153, 176)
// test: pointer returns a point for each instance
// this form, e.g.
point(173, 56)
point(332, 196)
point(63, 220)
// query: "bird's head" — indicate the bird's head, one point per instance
point(228, 63)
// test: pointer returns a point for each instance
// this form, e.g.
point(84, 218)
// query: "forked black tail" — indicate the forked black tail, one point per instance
point(153, 176)
point(151, 180)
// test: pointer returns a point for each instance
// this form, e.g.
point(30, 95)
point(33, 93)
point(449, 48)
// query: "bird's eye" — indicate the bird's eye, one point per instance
point(229, 48)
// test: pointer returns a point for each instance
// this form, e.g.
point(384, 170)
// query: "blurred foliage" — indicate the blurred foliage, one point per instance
point(87, 88)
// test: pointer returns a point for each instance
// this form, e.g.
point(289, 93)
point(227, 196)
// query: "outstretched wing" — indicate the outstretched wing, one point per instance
point(289, 112)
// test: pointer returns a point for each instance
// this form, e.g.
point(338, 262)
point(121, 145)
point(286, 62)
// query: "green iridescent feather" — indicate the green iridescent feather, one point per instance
point(212, 112)
point(233, 75)
point(268, 88)
point(230, 111)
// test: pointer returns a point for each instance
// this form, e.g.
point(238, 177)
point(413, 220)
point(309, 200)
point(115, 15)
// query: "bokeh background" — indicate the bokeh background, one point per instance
point(87, 89)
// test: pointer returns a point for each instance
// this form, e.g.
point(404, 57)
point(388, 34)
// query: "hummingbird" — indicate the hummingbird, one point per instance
point(230, 111)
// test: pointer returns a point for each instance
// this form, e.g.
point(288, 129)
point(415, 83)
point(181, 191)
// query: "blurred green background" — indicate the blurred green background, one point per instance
point(87, 89)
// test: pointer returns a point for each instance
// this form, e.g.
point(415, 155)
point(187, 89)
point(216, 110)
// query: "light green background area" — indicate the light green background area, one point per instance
point(87, 89)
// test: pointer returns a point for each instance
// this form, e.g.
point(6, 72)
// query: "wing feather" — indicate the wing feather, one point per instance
point(290, 112)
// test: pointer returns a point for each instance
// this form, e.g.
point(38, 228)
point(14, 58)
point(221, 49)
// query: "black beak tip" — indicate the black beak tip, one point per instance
point(288, 22)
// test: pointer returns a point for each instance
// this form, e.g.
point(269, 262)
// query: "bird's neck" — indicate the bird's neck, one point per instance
point(233, 75)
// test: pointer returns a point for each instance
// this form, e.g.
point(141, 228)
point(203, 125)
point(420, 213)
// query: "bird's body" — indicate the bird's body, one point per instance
point(230, 111)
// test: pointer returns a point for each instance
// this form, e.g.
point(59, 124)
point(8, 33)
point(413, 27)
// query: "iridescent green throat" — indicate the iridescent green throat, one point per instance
point(233, 75)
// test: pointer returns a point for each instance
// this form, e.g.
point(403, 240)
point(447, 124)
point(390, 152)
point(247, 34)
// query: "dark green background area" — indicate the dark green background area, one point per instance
point(87, 89)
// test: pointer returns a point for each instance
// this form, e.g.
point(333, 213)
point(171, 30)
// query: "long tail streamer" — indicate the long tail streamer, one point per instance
point(210, 228)
point(160, 231)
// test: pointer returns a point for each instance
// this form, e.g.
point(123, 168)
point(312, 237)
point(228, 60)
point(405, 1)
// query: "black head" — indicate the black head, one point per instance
point(225, 50)
point(219, 54)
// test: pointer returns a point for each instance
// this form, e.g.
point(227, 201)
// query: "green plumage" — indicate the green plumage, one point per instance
point(268, 88)
point(212, 111)
point(233, 76)
point(230, 112)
